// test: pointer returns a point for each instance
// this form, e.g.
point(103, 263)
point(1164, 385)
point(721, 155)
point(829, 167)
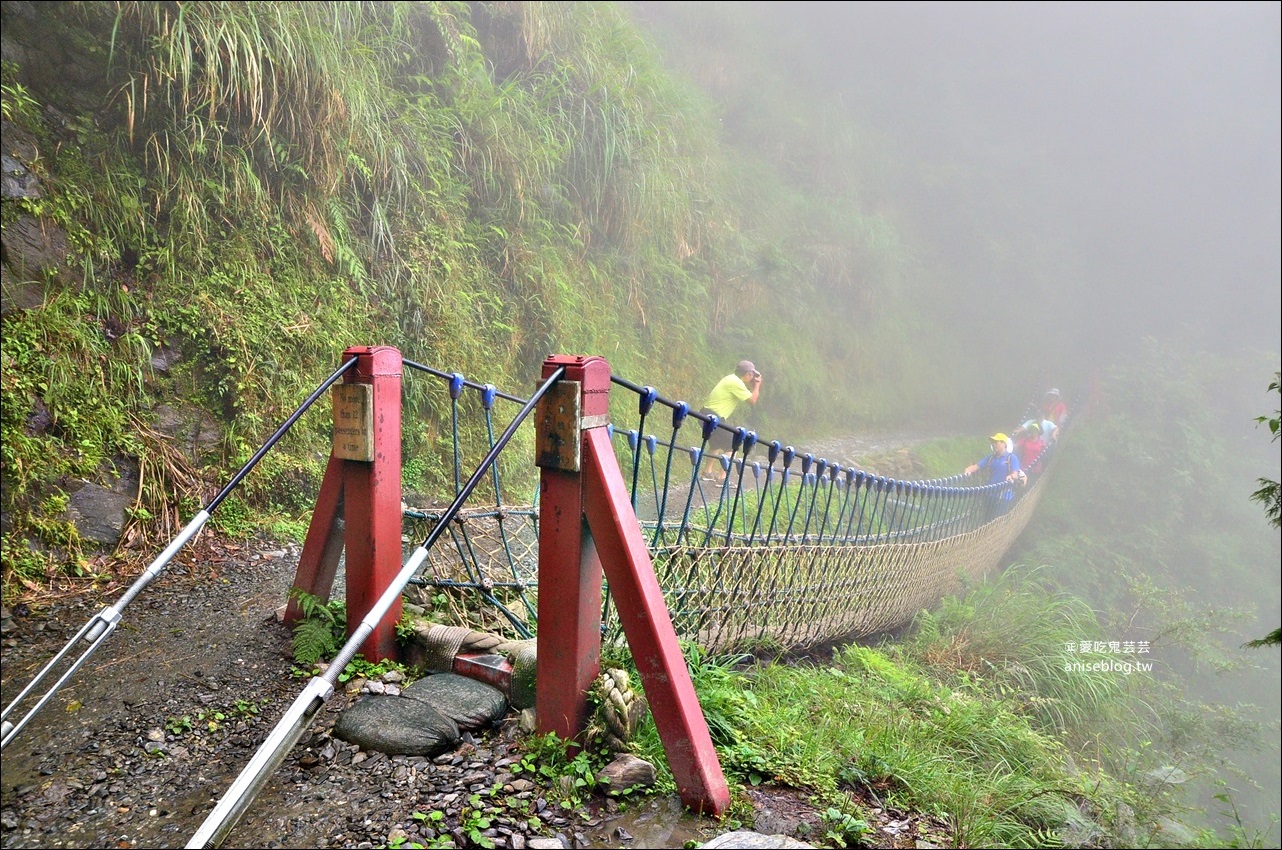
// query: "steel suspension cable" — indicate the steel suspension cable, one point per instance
point(296, 718)
point(102, 624)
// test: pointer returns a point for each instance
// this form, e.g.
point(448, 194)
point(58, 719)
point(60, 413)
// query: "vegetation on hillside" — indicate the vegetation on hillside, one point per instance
point(1269, 494)
point(1151, 522)
point(986, 715)
point(247, 188)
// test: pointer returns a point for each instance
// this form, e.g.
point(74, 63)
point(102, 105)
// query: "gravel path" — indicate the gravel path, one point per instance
point(138, 746)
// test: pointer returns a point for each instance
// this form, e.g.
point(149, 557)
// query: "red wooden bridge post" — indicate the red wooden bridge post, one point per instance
point(569, 601)
point(586, 525)
point(318, 562)
point(359, 505)
point(372, 501)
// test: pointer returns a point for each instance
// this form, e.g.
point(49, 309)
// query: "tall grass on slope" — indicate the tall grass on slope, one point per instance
point(957, 752)
point(1022, 636)
point(884, 728)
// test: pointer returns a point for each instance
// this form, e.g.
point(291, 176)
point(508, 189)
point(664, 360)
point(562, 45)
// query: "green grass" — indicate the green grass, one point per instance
point(951, 455)
point(888, 726)
point(971, 718)
point(1012, 634)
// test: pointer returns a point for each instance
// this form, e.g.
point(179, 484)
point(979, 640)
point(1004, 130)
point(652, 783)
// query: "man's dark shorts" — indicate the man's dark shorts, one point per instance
point(721, 439)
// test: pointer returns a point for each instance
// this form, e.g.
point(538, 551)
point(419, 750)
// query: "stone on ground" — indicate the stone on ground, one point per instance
point(397, 726)
point(469, 703)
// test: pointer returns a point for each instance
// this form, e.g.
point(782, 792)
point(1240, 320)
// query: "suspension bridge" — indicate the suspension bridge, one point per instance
point(788, 552)
point(622, 542)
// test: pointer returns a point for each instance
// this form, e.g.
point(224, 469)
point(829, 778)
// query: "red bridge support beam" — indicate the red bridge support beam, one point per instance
point(359, 505)
point(318, 563)
point(586, 524)
point(569, 600)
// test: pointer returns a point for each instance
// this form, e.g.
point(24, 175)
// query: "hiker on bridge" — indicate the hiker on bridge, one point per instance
point(1046, 428)
point(743, 384)
point(1002, 466)
point(1030, 442)
point(1054, 409)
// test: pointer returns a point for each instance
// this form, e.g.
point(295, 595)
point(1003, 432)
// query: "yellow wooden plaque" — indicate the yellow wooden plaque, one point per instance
point(353, 421)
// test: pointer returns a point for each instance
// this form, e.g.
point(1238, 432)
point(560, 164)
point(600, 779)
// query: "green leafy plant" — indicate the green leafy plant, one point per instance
point(16, 103)
point(842, 829)
point(320, 632)
point(248, 708)
point(548, 759)
point(178, 725)
point(1241, 835)
point(362, 669)
point(1269, 494)
point(211, 719)
point(435, 820)
point(402, 841)
point(474, 819)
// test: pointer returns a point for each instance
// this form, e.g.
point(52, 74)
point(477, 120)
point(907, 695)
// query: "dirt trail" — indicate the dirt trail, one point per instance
point(124, 755)
point(138, 746)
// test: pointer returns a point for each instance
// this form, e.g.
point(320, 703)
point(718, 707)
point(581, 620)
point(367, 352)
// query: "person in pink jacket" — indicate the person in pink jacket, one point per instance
point(1029, 444)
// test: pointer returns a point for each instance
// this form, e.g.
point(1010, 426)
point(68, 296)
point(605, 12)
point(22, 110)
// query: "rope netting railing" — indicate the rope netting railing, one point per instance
point(490, 548)
point(786, 551)
point(789, 550)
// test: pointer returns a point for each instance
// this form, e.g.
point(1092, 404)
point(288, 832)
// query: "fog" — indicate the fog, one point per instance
point(1143, 138)
point(1126, 155)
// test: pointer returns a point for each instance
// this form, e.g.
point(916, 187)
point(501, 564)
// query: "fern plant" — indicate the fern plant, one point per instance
point(321, 631)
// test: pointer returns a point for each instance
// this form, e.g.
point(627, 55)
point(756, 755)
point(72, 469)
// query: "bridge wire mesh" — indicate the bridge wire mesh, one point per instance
point(791, 551)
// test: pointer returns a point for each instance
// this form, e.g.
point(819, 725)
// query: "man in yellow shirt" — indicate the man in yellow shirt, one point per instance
point(743, 384)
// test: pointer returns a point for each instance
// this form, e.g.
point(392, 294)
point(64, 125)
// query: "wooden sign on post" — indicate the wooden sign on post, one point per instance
point(353, 422)
point(558, 441)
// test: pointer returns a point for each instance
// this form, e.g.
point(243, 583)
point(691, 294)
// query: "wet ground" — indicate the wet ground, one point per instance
point(139, 745)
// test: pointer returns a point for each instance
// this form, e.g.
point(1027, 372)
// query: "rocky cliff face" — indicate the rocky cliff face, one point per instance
point(54, 76)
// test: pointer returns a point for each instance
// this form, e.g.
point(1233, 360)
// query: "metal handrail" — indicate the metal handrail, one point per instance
point(102, 624)
point(291, 726)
